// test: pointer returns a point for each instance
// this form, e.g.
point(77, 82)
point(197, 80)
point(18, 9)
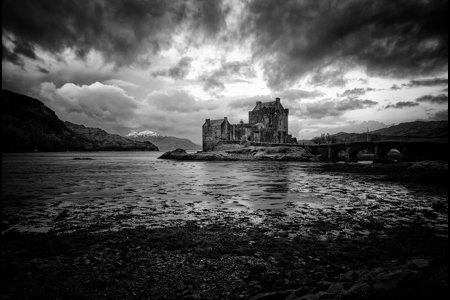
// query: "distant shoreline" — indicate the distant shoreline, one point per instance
point(428, 172)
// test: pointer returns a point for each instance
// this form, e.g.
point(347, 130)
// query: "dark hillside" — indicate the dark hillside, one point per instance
point(28, 125)
point(411, 131)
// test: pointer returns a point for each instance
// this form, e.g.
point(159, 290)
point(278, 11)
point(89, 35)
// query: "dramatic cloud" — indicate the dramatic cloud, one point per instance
point(178, 101)
point(228, 72)
point(180, 71)
point(334, 108)
point(290, 39)
point(153, 64)
point(248, 103)
point(43, 70)
point(96, 105)
point(355, 93)
point(328, 76)
point(427, 82)
point(287, 95)
point(440, 99)
point(119, 82)
point(296, 37)
point(440, 116)
point(124, 32)
point(402, 104)
point(291, 95)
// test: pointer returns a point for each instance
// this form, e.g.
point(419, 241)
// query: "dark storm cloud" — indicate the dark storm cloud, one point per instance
point(320, 76)
point(427, 82)
point(10, 56)
point(395, 87)
point(390, 38)
point(290, 39)
point(402, 104)
point(440, 99)
point(43, 70)
point(334, 108)
point(178, 72)
point(356, 92)
point(440, 116)
point(121, 30)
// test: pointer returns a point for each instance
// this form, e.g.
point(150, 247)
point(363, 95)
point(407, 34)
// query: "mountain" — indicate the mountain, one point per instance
point(101, 140)
point(28, 125)
point(429, 129)
point(359, 127)
point(351, 128)
point(145, 133)
point(164, 143)
point(418, 130)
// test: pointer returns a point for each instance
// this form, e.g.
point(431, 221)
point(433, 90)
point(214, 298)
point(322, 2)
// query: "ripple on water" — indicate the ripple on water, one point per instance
point(136, 188)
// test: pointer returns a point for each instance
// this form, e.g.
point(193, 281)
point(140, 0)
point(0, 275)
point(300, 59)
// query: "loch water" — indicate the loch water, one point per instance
point(90, 187)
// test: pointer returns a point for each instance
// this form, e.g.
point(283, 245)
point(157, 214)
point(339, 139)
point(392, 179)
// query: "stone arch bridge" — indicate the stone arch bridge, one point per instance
point(410, 151)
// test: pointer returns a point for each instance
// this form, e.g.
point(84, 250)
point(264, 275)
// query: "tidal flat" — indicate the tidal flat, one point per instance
point(111, 225)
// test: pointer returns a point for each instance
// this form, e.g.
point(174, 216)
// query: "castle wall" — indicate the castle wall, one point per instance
point(274, 120)
point(213, 132)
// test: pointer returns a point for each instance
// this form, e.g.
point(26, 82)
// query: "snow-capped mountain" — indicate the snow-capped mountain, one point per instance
point(163, 142)
point(145, 133)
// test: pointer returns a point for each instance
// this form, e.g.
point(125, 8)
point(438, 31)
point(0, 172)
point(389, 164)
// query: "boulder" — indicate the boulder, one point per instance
point(357, 291)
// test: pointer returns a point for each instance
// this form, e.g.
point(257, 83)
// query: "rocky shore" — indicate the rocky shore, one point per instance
point(247, 153)
point(224, 262)
point(433, 172)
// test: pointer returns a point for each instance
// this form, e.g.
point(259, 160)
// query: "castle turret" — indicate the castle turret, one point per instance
point(278, 100)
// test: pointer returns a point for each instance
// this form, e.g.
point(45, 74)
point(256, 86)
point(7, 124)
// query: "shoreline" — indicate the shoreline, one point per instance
point(427, 172)
point(244, 154)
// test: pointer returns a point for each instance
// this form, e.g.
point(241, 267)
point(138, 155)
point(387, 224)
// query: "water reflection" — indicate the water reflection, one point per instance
point(40, 186)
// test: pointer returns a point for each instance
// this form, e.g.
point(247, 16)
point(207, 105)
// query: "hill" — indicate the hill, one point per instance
point(29, 125)
point(410, 131)
point(99, 139)
point(430, 129)
point(164, 143)
point(361, 127)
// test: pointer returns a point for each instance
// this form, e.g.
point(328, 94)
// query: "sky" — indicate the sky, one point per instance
point(166, 66)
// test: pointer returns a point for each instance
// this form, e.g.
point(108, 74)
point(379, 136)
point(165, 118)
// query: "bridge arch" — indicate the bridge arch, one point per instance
point(353, 153)
point(389, 153)
point(338, 153)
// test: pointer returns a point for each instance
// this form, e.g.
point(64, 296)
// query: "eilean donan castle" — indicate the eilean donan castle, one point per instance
point(268, 123)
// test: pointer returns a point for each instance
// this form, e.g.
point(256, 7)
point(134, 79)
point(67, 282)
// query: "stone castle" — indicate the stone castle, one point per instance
point(268, 123)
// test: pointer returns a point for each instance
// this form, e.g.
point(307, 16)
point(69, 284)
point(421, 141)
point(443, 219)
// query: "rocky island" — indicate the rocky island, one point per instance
point(246, 153)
